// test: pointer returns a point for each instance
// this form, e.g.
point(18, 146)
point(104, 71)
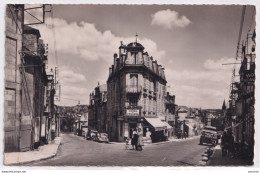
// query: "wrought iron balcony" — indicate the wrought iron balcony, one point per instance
point(133, 89)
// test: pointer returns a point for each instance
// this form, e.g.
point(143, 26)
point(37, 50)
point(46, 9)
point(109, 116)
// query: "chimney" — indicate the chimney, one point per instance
point(115, 61)
point(110, 71)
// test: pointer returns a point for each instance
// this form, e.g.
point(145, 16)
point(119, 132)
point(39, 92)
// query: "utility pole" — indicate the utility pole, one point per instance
point(55, 78)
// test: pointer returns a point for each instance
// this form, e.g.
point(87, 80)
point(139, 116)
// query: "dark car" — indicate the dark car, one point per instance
point(95, 136)
point(91, 134)
point(102, 137)
point(209, 136)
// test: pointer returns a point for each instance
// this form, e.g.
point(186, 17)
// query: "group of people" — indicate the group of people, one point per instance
point(137, 139)
point(181, 135)
point(227, 144)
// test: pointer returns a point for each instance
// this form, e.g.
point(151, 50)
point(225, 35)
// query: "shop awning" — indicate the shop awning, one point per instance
point(156, 123)
point(167, 125)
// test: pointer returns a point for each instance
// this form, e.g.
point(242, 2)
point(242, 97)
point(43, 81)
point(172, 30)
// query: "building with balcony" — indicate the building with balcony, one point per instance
point(170, 112)
point(136, 90)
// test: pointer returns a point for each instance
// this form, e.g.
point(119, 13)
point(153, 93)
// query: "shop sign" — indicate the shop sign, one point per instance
point(132, 112)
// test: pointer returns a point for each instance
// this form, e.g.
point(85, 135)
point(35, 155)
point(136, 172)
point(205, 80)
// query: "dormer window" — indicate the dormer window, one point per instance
point(253, 48)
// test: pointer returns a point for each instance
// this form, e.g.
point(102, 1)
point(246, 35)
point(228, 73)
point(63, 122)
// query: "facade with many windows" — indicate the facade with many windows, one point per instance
point(136, 89)
point(98, 109)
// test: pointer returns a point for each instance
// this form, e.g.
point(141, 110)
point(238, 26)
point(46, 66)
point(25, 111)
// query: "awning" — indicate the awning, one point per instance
point(167, 125)
point(156, 123)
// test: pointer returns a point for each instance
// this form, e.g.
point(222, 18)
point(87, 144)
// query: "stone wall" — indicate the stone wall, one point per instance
point(13, 44)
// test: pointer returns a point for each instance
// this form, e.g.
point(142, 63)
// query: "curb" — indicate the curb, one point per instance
point(37, 160)
point(206, 162)
point(158, 143)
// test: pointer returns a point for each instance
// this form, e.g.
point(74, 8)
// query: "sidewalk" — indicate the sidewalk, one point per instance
point(217, 159)
point(158, 143)
point(43, 152)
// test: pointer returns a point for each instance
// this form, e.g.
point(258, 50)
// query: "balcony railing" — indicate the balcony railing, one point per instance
point(133, 89)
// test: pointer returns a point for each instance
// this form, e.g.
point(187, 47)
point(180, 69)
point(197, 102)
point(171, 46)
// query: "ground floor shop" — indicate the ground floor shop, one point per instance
point(152, 128)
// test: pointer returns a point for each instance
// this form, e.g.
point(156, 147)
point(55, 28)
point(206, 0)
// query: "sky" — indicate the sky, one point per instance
point(190, 41)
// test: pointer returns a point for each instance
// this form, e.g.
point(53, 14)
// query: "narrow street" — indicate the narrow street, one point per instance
point(76, 151)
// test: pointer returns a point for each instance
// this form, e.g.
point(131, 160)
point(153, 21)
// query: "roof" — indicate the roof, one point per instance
point(134, 44)
point(103, 88)
point(30, 30)
point(183, 109)
point(156, 123)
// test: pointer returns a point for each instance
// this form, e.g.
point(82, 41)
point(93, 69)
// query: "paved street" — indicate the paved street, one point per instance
point(76, 151)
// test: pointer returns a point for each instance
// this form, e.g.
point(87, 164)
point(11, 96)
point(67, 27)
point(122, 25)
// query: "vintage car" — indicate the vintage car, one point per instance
point(91, 135)
point(102, 137)
point(209, 135)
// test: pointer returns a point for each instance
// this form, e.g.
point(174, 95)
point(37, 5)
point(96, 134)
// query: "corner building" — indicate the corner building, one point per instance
point(136, 89)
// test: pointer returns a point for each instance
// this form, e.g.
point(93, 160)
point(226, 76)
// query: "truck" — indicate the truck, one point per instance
point(209, 135)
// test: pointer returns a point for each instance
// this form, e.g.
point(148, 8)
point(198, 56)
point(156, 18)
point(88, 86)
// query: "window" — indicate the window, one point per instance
point(144, 104)
point(133, 101)
point(133, 80)
point(134, 58)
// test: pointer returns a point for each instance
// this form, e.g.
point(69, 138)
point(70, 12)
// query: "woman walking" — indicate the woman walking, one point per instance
point(134, 138)
point(140, 142)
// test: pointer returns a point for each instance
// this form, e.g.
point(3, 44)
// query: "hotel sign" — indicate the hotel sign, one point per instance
point(132, 112)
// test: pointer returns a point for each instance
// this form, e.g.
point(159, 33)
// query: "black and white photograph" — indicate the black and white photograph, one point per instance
point(129, 85)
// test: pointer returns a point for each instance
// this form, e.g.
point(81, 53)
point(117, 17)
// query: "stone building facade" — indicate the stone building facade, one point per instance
point(25, 83)
point(98, 109)
point(136, 89)
point(12, 92)
point(241, 111)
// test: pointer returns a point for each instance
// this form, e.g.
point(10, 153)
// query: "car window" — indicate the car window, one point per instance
point(103, 135)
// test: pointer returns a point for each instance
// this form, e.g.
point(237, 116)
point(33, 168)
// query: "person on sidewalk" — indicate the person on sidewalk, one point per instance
point(224, 144)
point(185, 135)
point(148, 136)
point(231, 145)
point(134, 139)
point(140, 142)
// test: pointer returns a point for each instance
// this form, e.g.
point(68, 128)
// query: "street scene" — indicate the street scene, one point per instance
point(129, 85)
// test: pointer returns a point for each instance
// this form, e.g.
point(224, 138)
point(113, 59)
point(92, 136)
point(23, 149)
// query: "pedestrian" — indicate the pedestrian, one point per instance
point(127, 142)
point(140, 142)
point(224, 144)
point(148, 135)
point(185, 135)
point(231, 145)
point(134, 138)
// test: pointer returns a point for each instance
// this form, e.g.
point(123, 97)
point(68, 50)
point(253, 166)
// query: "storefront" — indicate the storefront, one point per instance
point(157, 128)
point(128, 125)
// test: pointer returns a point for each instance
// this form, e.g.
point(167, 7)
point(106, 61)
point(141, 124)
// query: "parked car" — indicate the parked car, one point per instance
point(209, 135)
point(91, 134)
point(95, 136)
point(102, 137)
